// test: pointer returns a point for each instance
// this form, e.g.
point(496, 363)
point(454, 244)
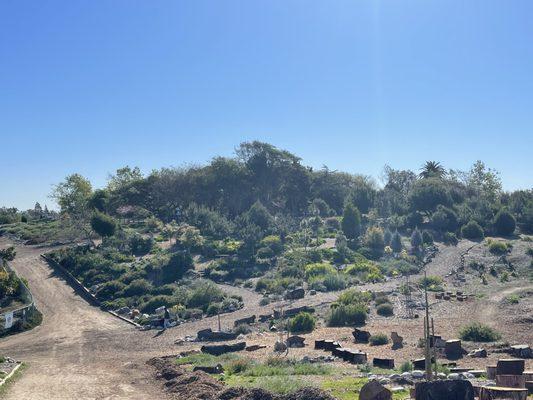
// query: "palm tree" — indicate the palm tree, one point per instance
point(432, 169)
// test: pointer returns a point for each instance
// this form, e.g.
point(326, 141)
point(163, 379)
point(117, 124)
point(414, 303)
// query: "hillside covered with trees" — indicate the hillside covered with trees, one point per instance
point(264, 214)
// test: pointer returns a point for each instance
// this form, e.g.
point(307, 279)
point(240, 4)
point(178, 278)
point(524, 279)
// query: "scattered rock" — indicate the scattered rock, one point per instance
point(217, 369)
point(444, 390)
point(244, 321)
point(397, 340)
point(478, 353)
point(374, 390)
point(217, 350)
point(206, 335)
point(361, 336)
point(280, 346)
point(295, 341)
point(417, 374)
point(255, 347)
point(295, 294)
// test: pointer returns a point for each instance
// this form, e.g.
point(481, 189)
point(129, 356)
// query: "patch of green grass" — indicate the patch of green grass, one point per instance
point(5, 387)
point(283, 367)
point(513, 299)
point(275, 384)
point(349, 388)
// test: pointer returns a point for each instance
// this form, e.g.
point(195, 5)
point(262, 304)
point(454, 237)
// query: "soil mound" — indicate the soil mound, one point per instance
point(198, 385)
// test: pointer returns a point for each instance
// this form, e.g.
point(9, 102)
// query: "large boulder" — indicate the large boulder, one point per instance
point(295, 294)
point(374, 390)
point(521, 351)
point(206, 335)
point(478, 353)
point(291, 312)
point(217, 350)
point(361, 336)
point(510, 366)
point(444, 390)
point(453, 349)
point(244, 321)
point(397, 340)
point(295, 341)
point(387, 363)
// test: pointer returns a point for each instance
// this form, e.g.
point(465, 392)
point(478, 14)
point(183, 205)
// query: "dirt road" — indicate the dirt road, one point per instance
point(79, 352)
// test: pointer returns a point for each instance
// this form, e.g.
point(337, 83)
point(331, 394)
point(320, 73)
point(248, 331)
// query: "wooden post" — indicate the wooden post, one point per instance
point(434, 347)
point(426, 329)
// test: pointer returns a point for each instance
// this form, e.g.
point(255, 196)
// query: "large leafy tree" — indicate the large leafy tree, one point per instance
point(73, 195)
point(427, 194)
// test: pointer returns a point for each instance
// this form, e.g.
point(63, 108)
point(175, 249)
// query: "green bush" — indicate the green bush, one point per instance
point(433, 283)
point(497, 247)
point(155, 302)
point(137, 287)
point(378, 339)
point(504, 222)
point(302, 323)
point(472, 230)
point(353, 296)
point(427, 238)
point(406, 366)
point(329, 282)
point(450, 238)
point(108, 290)
point(203, 295)
point(477, 332)
point(213, 309)
point(318, 269)
point(264, 252)
point(385, 310)
point(347, 315)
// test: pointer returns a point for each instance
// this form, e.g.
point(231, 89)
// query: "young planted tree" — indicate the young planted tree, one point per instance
point(504, 222)
point(351, 222)
point(396, 242)
point(315, 223)
point(375, 241)
point(416, 240)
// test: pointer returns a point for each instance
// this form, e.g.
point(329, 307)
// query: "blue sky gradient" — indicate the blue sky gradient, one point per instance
point(90, 86)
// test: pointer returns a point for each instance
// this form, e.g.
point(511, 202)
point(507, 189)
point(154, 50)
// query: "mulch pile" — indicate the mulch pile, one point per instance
point(198, 385)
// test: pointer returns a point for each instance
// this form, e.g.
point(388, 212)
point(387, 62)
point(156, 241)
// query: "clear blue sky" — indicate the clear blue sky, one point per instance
point(90, 86)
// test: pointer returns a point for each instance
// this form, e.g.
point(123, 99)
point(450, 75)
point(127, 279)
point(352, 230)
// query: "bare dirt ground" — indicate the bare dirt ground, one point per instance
point(80, 352)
